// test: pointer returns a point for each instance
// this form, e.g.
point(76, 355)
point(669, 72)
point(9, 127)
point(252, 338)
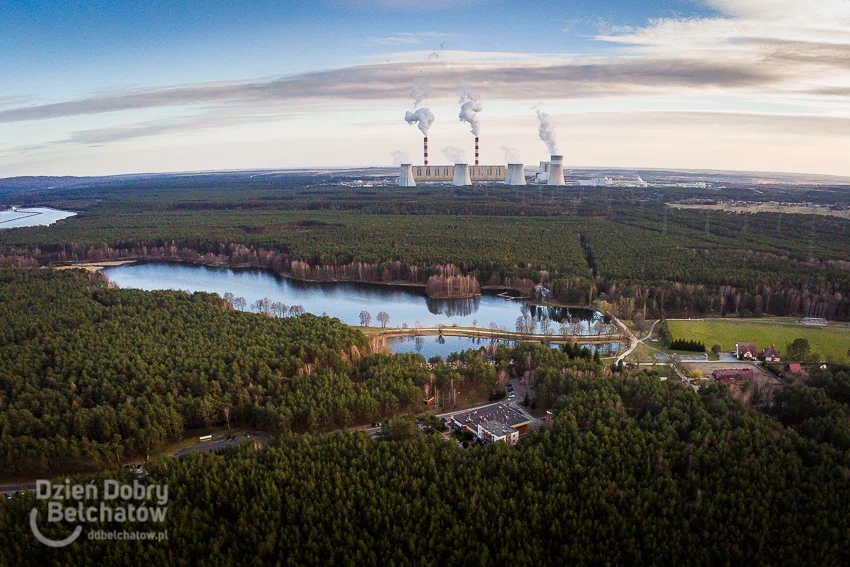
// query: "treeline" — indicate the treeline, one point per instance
point(688, 345)
point(629, 246)
point(632, 471)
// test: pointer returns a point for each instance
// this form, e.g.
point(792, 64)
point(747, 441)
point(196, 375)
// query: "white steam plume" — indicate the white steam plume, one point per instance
point(469, 109)
point(400, 157)
point(511, 155)
point(547, 131)
point(455, 155)
point(420, 92)
point(422, 116)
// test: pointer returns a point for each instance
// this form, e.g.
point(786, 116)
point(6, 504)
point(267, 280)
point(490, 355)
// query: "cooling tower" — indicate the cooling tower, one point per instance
point(461, 175)
point(405, 176)
point(516, 174)
point(556, 171)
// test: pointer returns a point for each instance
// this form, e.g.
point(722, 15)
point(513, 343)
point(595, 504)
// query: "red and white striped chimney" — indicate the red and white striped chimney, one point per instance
point(476, 150)
point(426, 150)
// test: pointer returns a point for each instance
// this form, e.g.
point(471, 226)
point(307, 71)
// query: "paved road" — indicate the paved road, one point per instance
point(211, 446)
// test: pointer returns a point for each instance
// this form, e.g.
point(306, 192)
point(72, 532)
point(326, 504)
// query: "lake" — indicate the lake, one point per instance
point(345, 300)
point(31, 217)
point(429, 346)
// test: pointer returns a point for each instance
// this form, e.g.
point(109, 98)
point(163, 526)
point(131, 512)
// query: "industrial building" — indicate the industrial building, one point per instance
point(492, 423)
point(551, 172)
point(426, 173)
point(602, 181)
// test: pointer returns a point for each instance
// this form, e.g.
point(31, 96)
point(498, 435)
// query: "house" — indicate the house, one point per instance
point(746, 351)
point(492, 431)
point(770, 354)
point(794, 368)
point(733, 374)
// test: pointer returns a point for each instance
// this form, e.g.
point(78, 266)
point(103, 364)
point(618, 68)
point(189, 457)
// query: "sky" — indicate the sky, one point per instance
point(103, 87)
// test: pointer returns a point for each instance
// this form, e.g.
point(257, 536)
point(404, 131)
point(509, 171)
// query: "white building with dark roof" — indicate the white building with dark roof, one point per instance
point(492, 431)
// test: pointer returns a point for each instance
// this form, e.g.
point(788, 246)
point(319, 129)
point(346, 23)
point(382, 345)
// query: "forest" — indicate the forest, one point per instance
point(91, 374)
point(628, 244)
point(630, 471)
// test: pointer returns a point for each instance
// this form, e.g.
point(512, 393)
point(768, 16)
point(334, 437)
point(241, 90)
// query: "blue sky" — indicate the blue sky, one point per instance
point(115, 87)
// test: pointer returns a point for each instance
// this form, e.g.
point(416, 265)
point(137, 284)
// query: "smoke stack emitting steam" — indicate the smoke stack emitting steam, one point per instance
point(469, 109)
point(423, 117)
point(547, 131)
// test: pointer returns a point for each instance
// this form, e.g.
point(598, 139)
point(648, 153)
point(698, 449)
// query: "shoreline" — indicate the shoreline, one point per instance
point(97, 266)
point(478, 332)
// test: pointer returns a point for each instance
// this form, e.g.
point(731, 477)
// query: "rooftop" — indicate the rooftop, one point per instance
point(501, 413)
point(497, 428)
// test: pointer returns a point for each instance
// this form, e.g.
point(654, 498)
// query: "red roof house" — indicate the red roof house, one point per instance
point(794, 368)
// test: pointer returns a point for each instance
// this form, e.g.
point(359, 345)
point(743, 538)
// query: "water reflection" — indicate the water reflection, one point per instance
point(442, 346)
point(453, 307)
point(346, 300)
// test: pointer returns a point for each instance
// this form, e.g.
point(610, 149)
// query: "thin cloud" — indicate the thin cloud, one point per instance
point(408, 38)
point(582, 78)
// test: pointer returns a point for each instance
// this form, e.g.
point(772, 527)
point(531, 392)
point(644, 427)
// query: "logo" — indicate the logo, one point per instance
point(112, 502)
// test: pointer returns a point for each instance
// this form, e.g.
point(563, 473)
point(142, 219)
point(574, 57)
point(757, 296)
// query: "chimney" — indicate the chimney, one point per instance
point(556, 171)
point(516, 174)
point(461, 175)
point(476, 150)
point(405, 176)
point(426, 150)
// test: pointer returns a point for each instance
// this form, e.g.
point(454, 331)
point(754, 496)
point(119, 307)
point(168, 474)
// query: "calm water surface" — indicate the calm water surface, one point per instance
point(31, 217)
point(429, 346)
point(346, 300)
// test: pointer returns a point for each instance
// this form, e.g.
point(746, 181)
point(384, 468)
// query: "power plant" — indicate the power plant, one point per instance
point(516, 175)
point(405, 178)
point(551, 172)
point(462, 174)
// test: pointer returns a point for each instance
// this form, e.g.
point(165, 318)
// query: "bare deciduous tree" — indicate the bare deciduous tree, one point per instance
point(365, 318)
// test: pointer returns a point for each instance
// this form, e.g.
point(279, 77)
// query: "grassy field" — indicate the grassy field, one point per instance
point(832, 340)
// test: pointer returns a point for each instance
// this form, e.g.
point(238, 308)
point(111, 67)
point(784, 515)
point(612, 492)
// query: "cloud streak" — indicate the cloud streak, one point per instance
point(585, 78)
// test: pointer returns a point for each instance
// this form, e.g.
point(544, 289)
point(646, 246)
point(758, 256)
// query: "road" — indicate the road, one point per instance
point(497, 334)
point(633, 340)
point(211, 446)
